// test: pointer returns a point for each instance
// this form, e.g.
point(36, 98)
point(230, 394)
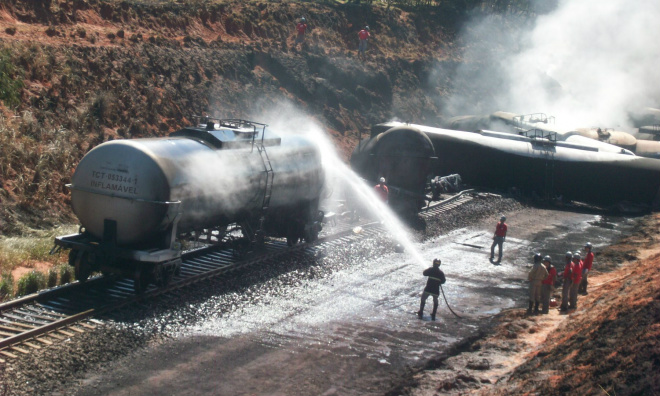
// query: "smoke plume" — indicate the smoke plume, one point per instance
point(587, 63)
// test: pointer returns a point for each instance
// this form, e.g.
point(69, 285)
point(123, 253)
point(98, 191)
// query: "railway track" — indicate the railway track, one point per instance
point(446, 205)
point(50, 316)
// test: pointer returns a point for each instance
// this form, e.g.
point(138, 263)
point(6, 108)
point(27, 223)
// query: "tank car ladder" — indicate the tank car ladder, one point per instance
point(270, 177)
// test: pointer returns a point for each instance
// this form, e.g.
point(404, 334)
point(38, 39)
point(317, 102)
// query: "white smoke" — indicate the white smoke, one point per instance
point(589, 62)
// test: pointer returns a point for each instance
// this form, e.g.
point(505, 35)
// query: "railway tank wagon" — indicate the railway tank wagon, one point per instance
point(404, 157)
point(220, 180)
point(602, 174)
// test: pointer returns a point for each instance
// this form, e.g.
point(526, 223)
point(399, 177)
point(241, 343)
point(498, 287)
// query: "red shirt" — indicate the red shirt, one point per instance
point(550, 280)
point(363, 34)
point(577, 273)
point(588, 261)
point(301, 27)
point(500, 230)
point(568, 270)
point(382, 191)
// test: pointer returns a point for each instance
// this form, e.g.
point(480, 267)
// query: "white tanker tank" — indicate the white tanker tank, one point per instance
point(140, 194)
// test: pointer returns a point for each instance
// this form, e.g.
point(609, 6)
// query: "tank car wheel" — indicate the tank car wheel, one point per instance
point(80, 261)
point(311, 236)
point(140, 280)
point(165, 275)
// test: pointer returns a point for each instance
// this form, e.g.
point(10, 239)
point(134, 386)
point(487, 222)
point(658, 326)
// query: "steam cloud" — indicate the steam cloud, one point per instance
point(588, 62)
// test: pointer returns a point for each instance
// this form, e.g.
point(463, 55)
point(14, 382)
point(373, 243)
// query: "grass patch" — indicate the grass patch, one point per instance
point(11, 83)
point(24, 251)
point(30, 283)
point(6, 286)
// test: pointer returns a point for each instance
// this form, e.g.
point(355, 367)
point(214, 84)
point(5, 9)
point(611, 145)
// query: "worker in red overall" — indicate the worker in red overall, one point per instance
point(498, 238)
point(576, 277)
point(588, 263)
point(301, 27)
point(363, 35)
point(567, 276)
point(381, 190)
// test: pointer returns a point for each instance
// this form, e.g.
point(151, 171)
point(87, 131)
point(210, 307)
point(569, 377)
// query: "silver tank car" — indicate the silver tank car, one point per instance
point(143, 184)
point(140, 194)
point(582, 170)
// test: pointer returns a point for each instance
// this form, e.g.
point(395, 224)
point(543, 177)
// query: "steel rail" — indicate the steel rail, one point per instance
point(48, 312)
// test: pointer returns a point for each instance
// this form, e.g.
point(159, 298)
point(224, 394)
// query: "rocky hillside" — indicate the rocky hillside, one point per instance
point(75, 73)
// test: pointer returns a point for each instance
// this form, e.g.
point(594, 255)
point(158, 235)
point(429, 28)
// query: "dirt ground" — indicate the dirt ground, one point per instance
point(609, 345)
point(355, 333)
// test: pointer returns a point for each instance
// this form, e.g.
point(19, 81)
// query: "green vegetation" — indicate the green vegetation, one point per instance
point(6, 286)
point(52, 277)
point(22, 251)
point(66, 273)
point(11, 83)
point(30, 283)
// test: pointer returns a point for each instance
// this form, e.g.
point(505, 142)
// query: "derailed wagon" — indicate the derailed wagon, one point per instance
point(598, 174)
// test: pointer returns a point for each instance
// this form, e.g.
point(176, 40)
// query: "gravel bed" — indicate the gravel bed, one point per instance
point(59, 369)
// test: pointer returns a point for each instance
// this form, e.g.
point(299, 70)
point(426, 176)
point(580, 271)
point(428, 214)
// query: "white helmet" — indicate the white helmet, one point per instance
point(382, 180)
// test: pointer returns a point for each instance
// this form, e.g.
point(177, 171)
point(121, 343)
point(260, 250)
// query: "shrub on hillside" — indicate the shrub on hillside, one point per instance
point(30, 283)
point(11, 83)
point(6, 286)
point(66, 273)
point(52, 277)
point(51, 31)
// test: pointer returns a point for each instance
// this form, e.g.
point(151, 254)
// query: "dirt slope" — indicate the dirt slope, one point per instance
point(87, 71)
point(610, 345)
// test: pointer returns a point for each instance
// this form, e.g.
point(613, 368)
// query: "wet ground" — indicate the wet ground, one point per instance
point(353, 332)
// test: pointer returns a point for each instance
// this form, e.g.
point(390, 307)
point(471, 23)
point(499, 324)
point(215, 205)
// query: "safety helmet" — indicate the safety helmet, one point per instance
point(437, 262)
point(547, 258)
point(576, 255)
point(382, 180)
point(537, 257)
point(569, 254)
point(303, 19)
point(503, 218)
point(587, 245)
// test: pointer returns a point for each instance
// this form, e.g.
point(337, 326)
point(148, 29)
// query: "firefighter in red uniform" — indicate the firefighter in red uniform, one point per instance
point(436, 278)
point(567, 275)
point(362, 46)
point(576, 277)
point(588, 263)
point(498, 238)
point(301, 27)
point(381, 190)
point(548, 285)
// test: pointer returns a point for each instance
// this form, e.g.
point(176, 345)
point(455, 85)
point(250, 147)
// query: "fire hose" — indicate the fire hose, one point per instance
point(447, 302)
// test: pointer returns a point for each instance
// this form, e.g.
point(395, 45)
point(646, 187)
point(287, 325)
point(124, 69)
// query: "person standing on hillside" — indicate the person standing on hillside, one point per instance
point(587, 264)
point(536, 276)
point(548, 285)
point(576, 278)
point(363, 35)
point(436, 278)
point(381, 190)
point(498, 238)
point(301, 28)
point(567, 275)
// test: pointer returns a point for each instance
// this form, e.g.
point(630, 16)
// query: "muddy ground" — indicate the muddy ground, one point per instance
point(353, 330)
